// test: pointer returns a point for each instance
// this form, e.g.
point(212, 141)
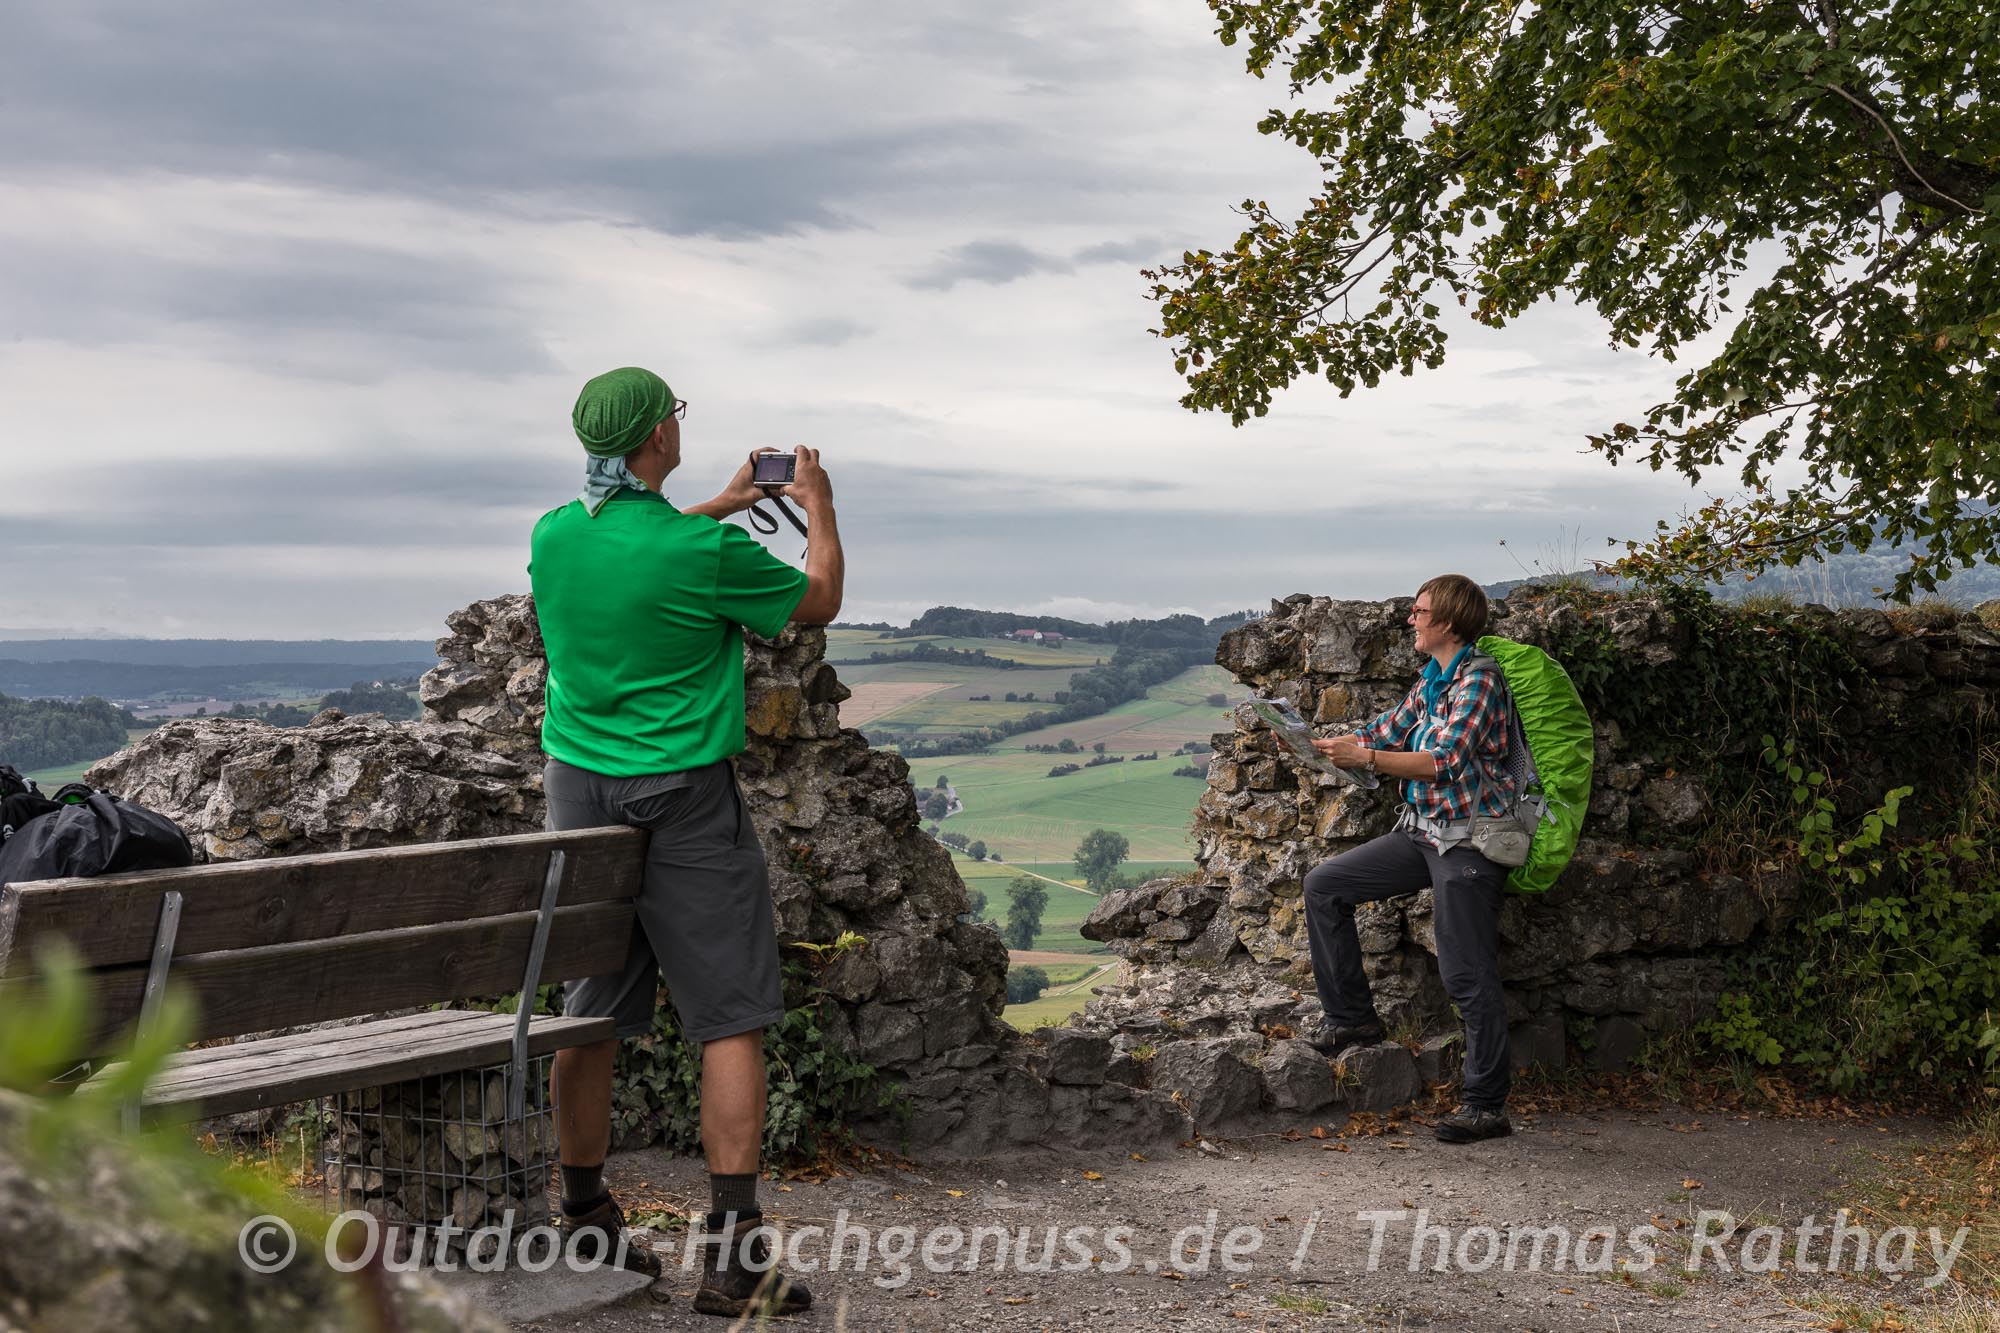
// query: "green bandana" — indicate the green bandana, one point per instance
point(618, 410)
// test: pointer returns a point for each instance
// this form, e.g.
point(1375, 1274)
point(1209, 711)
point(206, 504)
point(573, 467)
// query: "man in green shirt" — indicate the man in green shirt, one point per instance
point(642, 609)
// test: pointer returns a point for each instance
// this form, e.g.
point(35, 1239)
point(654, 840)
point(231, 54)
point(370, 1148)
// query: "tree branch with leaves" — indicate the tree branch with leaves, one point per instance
point(1840, 166)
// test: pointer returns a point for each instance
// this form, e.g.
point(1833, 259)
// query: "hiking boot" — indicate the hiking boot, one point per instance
point(1470, 1124)
point(602, 1227)
point(1332, 1039)
point(740, 1275)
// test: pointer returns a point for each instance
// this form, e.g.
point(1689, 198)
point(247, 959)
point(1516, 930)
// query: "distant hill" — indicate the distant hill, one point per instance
point(140, 681)
point(222, 652)
point(52, 632)
point(166, 669)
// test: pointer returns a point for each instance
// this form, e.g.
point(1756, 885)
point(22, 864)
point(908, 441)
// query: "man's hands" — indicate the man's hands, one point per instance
point(1343, 750)
point(826, 565)
point(739, 494)
point(810, 487)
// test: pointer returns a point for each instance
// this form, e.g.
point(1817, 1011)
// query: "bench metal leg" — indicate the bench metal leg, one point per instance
point(517, 1071)
point(156, 978)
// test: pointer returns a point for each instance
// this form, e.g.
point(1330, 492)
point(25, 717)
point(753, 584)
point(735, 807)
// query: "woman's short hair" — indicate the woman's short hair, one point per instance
point(1458, 604)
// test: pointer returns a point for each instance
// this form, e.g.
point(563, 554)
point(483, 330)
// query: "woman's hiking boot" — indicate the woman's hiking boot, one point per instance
point(1469, 1124)
point(597, 1231)
point(1332, 1039)
point(740, 1274)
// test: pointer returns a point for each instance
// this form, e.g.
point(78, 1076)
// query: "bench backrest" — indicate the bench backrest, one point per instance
point(276, 943)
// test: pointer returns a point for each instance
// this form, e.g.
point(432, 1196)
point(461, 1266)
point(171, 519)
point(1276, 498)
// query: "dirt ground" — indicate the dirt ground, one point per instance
point(1614, 1170)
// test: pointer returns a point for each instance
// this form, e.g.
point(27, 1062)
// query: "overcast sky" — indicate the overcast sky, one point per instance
point(297, 299)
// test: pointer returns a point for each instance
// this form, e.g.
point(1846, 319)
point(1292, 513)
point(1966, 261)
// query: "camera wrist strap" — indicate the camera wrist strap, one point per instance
point(767, 525)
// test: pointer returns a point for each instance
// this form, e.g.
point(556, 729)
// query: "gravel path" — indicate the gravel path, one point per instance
point(1613, 1170)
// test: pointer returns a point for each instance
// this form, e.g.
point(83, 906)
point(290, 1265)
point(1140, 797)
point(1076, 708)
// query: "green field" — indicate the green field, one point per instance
point(1015, 807)
point(48, 779)
point(1053, 1007)
point(1025, 815)
point(1066, 907)
point(847, 644)
point(965, 681)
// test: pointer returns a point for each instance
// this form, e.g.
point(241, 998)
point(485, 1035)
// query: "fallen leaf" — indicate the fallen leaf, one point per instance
point(956, 1194)
point(1016, 1300)
point(1136, 1156)
point(1690, 1184)
point(1319, 1131)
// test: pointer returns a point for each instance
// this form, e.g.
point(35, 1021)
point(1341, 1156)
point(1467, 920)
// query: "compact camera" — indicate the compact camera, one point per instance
point(774, 469)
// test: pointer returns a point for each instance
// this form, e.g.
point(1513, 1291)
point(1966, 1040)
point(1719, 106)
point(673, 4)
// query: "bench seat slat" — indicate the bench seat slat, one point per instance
point(193, 1089)
point(265, 1051)
point(110, 919)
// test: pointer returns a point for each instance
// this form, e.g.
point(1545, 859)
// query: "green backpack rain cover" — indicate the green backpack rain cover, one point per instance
point(1556, 767)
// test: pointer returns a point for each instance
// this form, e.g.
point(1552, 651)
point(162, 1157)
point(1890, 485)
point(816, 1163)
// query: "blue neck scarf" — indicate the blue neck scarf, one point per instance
point(604, 478)
point(1436, 678)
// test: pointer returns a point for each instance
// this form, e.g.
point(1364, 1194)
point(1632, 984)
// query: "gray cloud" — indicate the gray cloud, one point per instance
point(427, 494)
point(824, 331)
point(1139, 250)
point(311, 307)
point(993, 262)
point(691, 124)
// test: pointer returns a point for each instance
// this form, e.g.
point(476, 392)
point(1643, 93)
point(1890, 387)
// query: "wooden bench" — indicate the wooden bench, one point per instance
point(292, 941)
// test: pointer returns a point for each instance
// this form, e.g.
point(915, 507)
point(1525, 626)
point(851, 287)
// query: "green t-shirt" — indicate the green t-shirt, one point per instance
point(640, 609)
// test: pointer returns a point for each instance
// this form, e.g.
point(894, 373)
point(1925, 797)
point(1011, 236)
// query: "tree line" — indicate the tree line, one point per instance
point(958, 622)
point(390, 699)
point(1127, 676)
point(47, 733)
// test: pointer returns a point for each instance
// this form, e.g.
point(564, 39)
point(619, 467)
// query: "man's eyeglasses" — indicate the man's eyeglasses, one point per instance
point(680, 411)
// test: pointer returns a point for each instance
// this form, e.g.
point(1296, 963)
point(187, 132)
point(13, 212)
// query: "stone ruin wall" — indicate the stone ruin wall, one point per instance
point(1632, 942)
point(921, 1001)
point(1204, 1031)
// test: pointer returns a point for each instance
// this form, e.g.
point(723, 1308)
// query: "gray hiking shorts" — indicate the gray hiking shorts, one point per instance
point(704, 911)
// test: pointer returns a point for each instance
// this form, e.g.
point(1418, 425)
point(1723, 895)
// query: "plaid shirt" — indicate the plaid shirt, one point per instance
point(1470, 729)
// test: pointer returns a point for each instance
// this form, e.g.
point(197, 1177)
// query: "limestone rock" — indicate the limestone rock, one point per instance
point(1117, 912)
point(1077, 1057)
point(1296, 1077)
point(1538, 1042)
point(1380, 1077)
point(1438, 1058)
point(1213, 1080)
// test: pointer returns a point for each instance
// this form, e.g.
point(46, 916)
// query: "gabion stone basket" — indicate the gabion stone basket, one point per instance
point(444, 1148)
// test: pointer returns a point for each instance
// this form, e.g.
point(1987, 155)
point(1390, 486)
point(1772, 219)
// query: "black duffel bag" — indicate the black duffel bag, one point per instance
point(92, 833)
point(20, 801)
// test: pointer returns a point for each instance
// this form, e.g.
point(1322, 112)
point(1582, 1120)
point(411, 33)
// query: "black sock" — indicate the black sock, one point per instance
point(729, 1194)
point(582, 1185)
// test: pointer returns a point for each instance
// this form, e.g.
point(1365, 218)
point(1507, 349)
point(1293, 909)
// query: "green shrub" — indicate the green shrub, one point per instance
point(1889, 976)
point(815, 1093)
